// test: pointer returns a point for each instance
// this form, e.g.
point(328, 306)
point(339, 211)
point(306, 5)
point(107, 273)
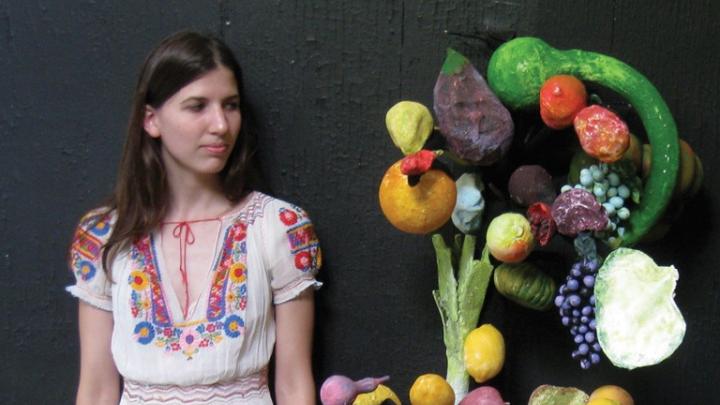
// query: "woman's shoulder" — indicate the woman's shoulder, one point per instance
point(260, 205)
point(285, 213)
point(91, 234)
point(97, 222)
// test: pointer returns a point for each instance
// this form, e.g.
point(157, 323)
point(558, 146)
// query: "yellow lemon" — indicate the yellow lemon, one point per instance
point(484, 352)
point(409, 124)
point(377, 397)
point(420, 208)
point(431, 389)
point(613, 392)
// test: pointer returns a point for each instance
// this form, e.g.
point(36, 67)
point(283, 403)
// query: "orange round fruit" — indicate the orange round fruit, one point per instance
point(614, 393)
point(561, 97)
point(419, 208)
point(431, 389)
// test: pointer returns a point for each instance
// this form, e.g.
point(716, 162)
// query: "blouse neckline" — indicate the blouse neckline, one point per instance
point(195, 311)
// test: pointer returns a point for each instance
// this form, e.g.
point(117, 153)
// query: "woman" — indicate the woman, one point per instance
point(187, 278)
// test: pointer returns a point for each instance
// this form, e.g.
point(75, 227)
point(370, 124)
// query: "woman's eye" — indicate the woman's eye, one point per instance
point(232, 105)
point(196, 107)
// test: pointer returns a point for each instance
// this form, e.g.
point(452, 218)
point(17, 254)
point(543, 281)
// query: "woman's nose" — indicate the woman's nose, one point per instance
point(218, 120)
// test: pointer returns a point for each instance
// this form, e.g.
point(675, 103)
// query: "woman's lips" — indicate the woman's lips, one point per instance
point(216, 148)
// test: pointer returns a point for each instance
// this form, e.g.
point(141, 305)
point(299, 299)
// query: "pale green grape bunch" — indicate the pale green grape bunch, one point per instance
point(617, 189)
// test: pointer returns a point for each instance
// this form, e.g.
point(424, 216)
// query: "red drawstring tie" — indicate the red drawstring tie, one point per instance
point(189, 239)
point(183, 232)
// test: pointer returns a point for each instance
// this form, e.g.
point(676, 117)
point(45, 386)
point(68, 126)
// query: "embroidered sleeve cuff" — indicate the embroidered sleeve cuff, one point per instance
point(294, 289)
point(104, 303)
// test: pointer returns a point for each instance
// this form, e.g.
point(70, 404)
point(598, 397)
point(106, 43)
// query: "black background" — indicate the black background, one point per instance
point(322, 74)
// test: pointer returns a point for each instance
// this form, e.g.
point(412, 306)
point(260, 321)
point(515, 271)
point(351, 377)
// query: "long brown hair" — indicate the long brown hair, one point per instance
point(140, 195)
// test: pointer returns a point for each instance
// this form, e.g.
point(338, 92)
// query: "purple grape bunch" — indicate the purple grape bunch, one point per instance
point(576, 304)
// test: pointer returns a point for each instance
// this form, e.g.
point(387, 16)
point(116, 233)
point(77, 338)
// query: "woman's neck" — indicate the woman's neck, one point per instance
point(194, 198)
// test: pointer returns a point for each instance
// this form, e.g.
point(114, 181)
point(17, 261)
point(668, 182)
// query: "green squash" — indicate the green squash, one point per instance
point(525, 284)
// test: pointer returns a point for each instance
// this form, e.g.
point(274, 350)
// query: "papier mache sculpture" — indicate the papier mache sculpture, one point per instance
point(617, 192)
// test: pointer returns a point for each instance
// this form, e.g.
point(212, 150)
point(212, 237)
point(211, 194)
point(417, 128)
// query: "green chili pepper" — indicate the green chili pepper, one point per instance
point(518, 69)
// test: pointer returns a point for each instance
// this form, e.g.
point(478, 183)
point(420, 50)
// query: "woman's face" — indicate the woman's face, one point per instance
point(198, 125)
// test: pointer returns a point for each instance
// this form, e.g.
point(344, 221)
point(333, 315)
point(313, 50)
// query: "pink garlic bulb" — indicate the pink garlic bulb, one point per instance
point(341, 390)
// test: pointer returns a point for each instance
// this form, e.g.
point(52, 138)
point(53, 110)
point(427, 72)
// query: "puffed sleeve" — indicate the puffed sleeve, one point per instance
point(85, 260)
point(292, 251)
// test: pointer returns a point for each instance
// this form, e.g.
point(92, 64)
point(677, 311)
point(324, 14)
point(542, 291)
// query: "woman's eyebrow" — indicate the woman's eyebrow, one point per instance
point(193, 99)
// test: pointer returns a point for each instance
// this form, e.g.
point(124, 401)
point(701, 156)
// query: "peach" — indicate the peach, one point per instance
point(509, 238)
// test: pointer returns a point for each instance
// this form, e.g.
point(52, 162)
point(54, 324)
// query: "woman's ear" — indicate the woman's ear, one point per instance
point(149, 122)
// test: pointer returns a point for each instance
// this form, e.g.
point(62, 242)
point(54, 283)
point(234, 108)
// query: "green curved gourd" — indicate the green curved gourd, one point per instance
point(518, 69)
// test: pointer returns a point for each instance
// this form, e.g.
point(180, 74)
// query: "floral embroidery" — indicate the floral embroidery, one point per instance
point(144, 332)
point(101, 227)
point(228, 292)
point(85, 269)
point(303, 260)
point(304, 243)
point(87, 245)
point(234, 326)
point(234, 251)
point(237, 272)
point(288, 217)
point(237, 292)
point(138, 280)
point(144, 262)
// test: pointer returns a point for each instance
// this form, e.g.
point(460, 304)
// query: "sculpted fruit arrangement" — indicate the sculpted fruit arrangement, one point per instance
point(617, 192)
point(518, 69)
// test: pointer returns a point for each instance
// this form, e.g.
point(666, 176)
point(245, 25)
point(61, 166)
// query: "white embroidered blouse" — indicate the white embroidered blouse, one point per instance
point(269, 254)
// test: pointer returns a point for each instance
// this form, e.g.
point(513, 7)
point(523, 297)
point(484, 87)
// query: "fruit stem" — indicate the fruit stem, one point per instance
point(459, 303)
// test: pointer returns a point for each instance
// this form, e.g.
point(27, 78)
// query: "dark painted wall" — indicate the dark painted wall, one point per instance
point(322, 75)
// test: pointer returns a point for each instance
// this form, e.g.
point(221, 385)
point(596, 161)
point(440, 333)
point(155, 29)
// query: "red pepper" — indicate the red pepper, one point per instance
point(542, 225)
point(417, 163)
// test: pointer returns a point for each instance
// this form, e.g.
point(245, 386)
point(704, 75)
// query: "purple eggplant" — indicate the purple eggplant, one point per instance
point(475, 124)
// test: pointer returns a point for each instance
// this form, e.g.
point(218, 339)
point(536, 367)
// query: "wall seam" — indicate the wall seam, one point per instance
point(224, 18)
